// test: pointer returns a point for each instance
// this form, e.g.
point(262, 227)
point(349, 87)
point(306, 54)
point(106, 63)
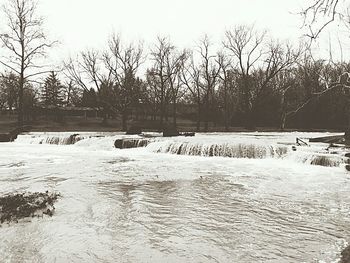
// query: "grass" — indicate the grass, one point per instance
point(95, 124)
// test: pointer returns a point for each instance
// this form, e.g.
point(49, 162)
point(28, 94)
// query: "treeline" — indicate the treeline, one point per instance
point(249, 80)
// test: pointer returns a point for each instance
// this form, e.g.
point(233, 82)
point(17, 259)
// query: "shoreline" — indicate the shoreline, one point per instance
point(80, 128)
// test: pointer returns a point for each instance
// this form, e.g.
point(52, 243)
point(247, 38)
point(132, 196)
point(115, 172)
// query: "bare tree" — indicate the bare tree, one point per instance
point(310, 80)
point(190, 77)
point(246, 47)
point(259, 62)
point(89, 69)
point(25, 42)
point(227, 85)
point(72, 94)
point(319, 14)
point(123, 62)
point(280, 57)
point(158, 74)
point(209, 72)
point(175, 61)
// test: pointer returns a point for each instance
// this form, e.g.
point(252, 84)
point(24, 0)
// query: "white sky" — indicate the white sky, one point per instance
point(79, 24)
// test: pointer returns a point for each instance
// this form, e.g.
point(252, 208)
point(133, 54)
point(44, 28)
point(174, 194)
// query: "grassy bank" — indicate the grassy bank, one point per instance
point(9, 122)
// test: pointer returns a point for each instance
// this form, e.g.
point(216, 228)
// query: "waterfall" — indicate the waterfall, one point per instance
point(233, 150)
point(54, 138)
point(319, 158)
point(256, 150)
point(131, 143)
point(71, 139)
point(205, 146)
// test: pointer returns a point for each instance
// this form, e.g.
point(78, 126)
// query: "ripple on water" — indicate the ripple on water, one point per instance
point(164, 208)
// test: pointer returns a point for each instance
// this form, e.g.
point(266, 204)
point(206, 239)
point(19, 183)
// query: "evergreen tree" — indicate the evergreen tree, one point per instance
point(89, 98)
point(52, 92)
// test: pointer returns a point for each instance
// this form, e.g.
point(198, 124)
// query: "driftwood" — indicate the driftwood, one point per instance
point(300, 142)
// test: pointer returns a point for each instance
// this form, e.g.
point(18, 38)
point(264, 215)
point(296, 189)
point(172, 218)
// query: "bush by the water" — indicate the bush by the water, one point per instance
point(21, 205)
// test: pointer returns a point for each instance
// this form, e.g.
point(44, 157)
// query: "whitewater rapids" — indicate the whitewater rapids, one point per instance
point(241, 197)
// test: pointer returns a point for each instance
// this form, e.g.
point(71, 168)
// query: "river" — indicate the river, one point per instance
point(268, 204)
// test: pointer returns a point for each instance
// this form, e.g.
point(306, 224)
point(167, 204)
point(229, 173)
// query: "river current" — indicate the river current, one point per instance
point(176, 201)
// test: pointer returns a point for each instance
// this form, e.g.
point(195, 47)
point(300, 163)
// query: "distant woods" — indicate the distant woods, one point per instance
point(247, 80)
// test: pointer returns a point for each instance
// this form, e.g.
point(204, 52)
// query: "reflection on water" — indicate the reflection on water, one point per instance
point(137, 206)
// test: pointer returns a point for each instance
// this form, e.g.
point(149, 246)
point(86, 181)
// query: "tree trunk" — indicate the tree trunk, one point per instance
point(198, 128)
point(174, 113)
point(225, 108)
point(161, 115)
point(206, 117)
point(283, 121)
point(105, 117)
point(283, 113)
point(20, 100)
point(124, 121)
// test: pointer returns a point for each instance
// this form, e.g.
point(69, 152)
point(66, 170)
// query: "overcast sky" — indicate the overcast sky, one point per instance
point(78, 24)
point(81, 23)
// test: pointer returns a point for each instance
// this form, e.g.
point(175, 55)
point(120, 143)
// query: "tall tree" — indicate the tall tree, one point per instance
point(89, 69)
point(175, 61)
point(9, 90)
point(52, 91)
point(72, 94)
point(227, 86)
point(245, 46)
point(158, 75)
point(25, 42)
point(123, 63)
point(190, 77)
point(209, 72)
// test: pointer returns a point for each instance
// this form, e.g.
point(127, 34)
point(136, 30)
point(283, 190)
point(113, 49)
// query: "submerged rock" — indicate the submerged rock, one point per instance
point(17, 206)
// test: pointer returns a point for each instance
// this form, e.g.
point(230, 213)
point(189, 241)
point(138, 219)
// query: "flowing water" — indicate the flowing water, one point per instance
point(241, 197)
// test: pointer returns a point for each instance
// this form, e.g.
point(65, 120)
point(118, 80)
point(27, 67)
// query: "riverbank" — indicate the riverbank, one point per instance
point(72, 124)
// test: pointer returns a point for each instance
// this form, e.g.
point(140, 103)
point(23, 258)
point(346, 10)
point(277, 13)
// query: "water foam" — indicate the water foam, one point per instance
point(232, 150)
point(238, 146)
